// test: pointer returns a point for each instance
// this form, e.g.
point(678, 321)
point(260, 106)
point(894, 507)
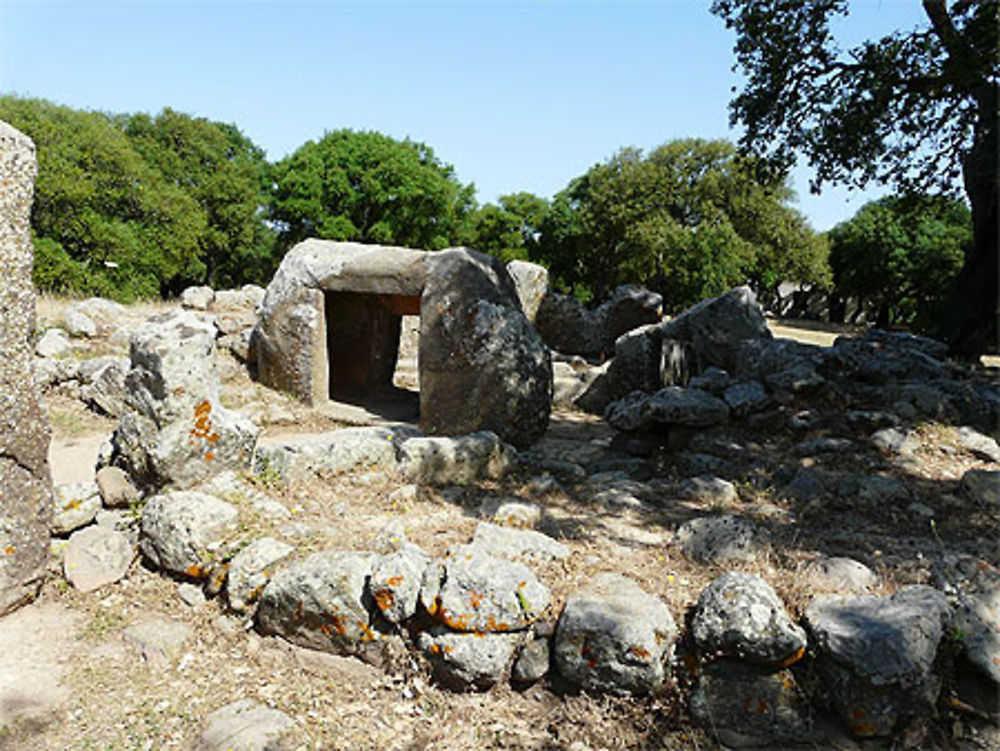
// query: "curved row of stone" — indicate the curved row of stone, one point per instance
point(478, 618)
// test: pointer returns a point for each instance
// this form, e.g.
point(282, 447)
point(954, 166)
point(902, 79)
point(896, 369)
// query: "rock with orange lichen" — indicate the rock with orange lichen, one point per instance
point(739, 615)
point(322, 602)
point(876, 655)
point(614, 636)
point(463, 661)
point(470, 590)
point(743, 705)
point(395, 582)
point(184, 532)
point(174, 430)
point(251, 569)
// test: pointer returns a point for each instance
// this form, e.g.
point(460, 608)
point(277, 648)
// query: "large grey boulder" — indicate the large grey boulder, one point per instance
point(646, 361)
point(746, 706)
point(614, 637)
point(717, 327)
point(250, 570)
point(458, 460)
point(482, 365)
point(175, 430)
point(184, 532)
point(739, 615)
point(323, 602)
point(468, 661)
point(570, 328)
point(26, 509)
point(472, 591)
point(671, 406)
point(875, 655)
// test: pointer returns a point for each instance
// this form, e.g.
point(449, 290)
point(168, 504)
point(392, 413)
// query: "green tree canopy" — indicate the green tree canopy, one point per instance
point(901, 255)
point(509, 229)
point(368, 187)
point(106, 221)
point(689, 220)
point(915, 108)
point(227, 174)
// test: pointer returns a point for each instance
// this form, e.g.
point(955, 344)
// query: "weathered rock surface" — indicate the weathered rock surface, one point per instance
point(159, 640)
point(876, 655)
point(982, 446)
point(463, 661)
point(183, 532)
point(839, 575)
point(455, 461)
point(670, 406)
point(115, 487)
point(53, 343)
point(977, 619)
point(739, 615)
point(614, 637)
point(244, 725)
point(472, 591)
point(716, 328)
point(96, 556)
point(982, 486)
point(532, 284)
point(322, 603)
point(251, 569)
point(175, 430)
point(26, 510)
point(197, 298)
point(395, 582)
point(532, 662)
point(75, 505)
point(709, 489)
point(746, 706)
point(719, 539)
point(482, 365)
point(528, 544)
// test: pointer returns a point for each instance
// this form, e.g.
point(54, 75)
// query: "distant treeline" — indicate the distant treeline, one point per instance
point(135, 206)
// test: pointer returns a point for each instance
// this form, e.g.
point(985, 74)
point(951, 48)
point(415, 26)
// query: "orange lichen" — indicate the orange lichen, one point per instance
point(202, 430)
point(475, 600)
point(799, 654)
point(10, 550)
point(384, 599)
point(636, 651)
point(860, 724)
point(196, 572)
point(394, 581)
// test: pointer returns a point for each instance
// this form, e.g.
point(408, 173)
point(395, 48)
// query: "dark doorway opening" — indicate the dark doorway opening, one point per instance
point(362, 345)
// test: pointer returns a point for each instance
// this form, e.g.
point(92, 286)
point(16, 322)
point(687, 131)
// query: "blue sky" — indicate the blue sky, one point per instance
point(515, 95)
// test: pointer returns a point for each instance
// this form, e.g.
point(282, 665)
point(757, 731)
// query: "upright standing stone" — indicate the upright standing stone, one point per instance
point(25, 483)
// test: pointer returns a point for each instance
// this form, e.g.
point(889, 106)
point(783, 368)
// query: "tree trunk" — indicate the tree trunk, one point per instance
point(970, 320)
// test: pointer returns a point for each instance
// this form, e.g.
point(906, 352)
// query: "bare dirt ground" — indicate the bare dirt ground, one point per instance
point(105, 695)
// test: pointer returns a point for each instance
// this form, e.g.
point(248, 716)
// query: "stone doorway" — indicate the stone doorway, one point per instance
point(362, 351)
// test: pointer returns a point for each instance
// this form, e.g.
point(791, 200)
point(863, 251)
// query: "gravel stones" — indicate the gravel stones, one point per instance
point(875, 655)
point(739, 615)
point(470, 590)
point(672, 405)
point(613, 636)
point(183, 531)
point(96, 556)
point(718, 539)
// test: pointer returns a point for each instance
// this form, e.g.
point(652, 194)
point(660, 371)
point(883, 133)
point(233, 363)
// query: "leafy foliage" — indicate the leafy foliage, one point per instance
point(902, 255)
point(508, 230)
point(227, 174)
point(111, 223)
point(916, 109)
point(368, 187)
point(691, 220)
